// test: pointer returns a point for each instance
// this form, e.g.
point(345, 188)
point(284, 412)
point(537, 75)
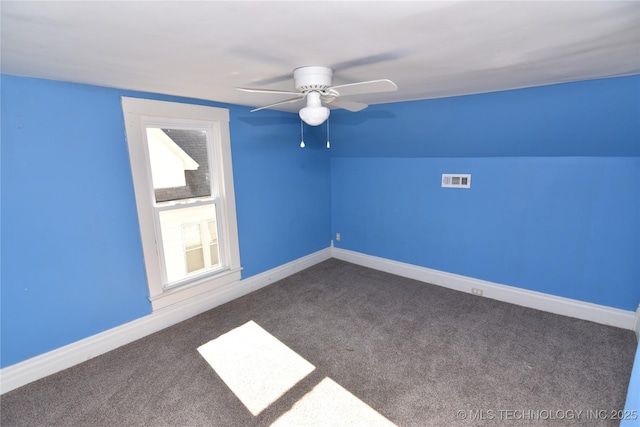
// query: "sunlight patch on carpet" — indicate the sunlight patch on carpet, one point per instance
point(329, 404)
point(255, 365)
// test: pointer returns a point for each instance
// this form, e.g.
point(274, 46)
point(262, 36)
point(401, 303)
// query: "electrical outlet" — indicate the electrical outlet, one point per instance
point(337, 237)
point(476, 291)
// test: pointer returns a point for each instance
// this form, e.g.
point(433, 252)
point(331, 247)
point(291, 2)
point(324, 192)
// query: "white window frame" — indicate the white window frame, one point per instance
point(139, 114)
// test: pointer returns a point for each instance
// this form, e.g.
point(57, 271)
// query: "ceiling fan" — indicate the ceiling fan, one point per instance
point(314, 84)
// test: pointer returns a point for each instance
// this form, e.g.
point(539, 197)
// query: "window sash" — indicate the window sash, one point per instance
point(168, 278)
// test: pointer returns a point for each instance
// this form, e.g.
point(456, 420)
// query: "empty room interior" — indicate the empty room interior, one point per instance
point(320, 213)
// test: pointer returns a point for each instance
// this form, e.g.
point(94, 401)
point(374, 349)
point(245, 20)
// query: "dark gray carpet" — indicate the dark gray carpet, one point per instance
point(419, 354)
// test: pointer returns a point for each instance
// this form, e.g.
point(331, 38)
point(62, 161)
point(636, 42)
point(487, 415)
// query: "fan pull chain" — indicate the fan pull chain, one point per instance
point(328, 143)
point(301, 135)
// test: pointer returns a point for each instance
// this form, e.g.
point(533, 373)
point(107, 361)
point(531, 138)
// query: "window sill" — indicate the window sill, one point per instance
point(177, 294)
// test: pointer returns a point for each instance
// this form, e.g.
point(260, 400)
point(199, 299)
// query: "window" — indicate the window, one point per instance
point(181, 165)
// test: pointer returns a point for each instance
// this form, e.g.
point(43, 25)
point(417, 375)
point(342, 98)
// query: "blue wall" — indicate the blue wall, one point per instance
point(564, 226)
point(72, 263)
point(554, 204)
point(590, 118)
point(282, 191)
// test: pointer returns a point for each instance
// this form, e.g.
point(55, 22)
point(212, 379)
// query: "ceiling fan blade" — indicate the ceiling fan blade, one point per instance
point(269, 91)
point(365, 60)
point(372, 86)
point(346, 104)
point(300, 96)
point(271, 80)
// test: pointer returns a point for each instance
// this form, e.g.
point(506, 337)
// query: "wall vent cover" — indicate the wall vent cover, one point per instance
point(456, 180)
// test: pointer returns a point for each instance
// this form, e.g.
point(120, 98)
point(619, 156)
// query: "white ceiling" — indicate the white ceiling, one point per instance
point(430, 49)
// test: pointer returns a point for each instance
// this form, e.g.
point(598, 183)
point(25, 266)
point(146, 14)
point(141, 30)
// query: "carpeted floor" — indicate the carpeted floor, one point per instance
point(417, 354)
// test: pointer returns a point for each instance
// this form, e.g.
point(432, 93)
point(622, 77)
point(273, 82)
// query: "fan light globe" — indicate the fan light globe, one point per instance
point(314, 116)
point(314, 113)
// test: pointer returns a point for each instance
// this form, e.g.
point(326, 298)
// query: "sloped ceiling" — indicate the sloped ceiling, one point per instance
point(206, 49)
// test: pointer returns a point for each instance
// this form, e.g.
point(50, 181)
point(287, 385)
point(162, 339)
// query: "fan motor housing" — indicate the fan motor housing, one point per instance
point(312, 78)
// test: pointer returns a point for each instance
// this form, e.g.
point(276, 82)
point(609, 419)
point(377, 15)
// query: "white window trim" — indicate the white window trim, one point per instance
point(138, 113)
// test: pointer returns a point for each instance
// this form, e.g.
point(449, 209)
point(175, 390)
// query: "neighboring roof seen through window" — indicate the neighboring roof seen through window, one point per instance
point(180, 165)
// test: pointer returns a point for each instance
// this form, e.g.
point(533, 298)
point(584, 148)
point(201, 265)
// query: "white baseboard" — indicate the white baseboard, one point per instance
point(65, 357)
point(523, 297)
point(14, 376)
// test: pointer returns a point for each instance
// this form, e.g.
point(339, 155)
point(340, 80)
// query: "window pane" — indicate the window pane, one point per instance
point(215, 257)
point(179, 163)
point(213, 243)
point(213, 231)
point(195, 260)
point(191, 236)
point(186, 240)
